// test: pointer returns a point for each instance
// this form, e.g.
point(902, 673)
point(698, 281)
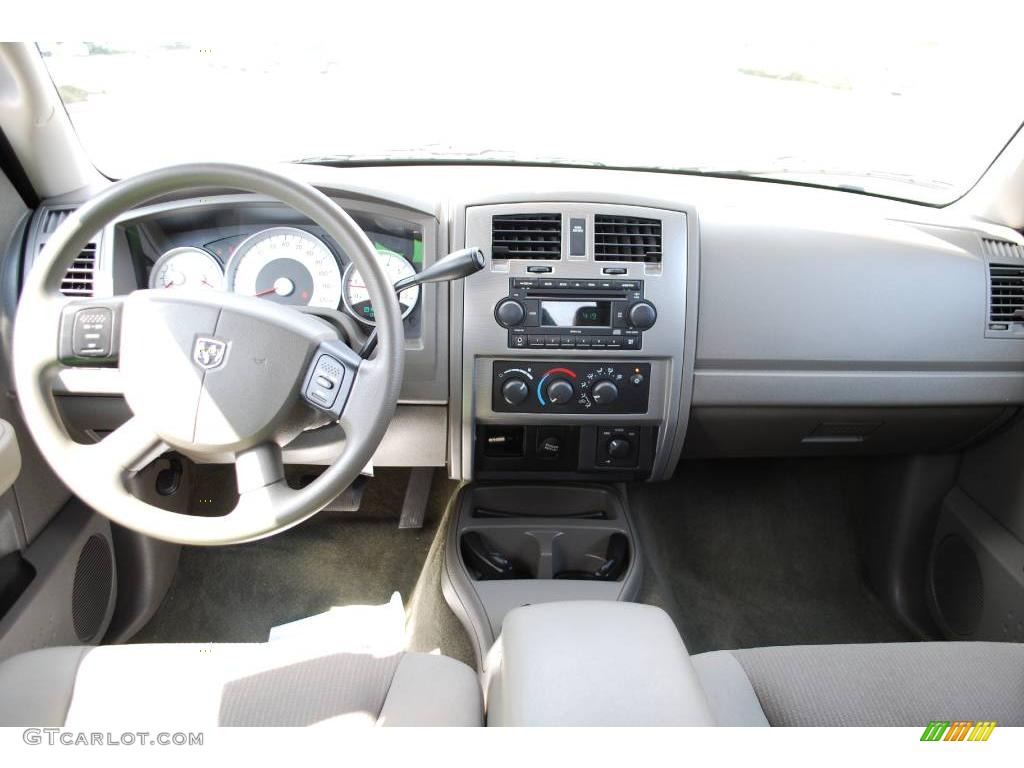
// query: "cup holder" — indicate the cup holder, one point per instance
point(591, 556)
point(517, 552)
point(499, 555)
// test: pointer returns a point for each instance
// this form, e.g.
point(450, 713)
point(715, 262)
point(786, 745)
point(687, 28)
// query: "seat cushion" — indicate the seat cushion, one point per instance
point(884, 684)
point(259, 684)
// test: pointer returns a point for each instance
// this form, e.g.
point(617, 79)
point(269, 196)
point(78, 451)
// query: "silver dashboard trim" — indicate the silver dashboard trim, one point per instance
point(669, 346)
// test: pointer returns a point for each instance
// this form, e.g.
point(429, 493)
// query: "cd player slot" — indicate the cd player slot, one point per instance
point(555, 294)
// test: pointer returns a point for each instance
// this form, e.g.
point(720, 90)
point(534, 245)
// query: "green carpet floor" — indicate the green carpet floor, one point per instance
point(237, 593)
point(758, 552)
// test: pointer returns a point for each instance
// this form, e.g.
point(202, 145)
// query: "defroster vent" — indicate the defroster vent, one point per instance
point(527, 236)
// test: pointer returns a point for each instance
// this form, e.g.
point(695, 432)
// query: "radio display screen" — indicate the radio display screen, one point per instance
point(566, 314)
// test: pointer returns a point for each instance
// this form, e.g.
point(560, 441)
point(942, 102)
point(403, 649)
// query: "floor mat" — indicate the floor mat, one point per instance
point(238, 593)
point(754, 553)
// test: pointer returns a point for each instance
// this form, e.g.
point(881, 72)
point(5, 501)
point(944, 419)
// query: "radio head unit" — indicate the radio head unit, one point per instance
point(575, 314)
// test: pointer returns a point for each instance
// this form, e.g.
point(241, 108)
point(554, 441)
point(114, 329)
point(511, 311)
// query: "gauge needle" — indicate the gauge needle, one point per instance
point(265, 291)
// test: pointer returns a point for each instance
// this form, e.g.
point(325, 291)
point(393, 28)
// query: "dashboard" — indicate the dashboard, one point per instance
point(623, 320)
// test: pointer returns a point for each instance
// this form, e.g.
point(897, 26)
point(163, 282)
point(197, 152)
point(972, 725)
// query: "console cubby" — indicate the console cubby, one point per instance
point(555, 538)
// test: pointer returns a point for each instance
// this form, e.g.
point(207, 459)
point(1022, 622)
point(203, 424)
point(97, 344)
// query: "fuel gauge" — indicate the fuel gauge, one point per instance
point(187, 267)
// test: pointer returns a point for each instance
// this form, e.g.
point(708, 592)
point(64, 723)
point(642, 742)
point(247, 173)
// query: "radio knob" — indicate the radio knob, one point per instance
point(509, 313)
point(559, 391)
point(605, 392)
point(515, 391)
point(642, 315)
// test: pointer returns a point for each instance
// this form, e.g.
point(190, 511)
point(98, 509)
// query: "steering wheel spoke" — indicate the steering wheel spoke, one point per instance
point(258, 468)
point(127, 449)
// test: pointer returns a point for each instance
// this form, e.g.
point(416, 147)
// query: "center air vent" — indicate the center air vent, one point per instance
point(78, 281)
point(527, 236)
point(1007, 295)
point(627, 238)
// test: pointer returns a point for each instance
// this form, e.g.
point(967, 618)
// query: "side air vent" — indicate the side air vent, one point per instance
point(54, 218)
point(527, 236)
point(1002, 249)
point(79, 279)
point(627, 238)
point(1006, 304)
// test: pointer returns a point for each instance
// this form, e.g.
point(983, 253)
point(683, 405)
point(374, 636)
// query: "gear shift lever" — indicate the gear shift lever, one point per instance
point(454, 266)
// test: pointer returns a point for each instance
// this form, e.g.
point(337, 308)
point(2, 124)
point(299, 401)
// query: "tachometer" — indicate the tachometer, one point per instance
point(357, 298)
point(186, 267)
point(286, 265)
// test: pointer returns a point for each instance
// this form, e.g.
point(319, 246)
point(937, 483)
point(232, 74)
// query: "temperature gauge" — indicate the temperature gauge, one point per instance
point(186, 267)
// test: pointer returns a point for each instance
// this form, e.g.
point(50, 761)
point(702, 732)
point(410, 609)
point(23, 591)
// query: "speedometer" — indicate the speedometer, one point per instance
point(357, 297)
point(288, 266)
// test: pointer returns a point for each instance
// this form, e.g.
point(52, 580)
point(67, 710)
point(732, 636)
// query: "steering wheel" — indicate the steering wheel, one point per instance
point(206, 373)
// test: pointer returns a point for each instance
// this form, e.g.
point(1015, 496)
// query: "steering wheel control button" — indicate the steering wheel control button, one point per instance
point(327, 377)
point(93, 331)
point(330, 377)
point(90, 333)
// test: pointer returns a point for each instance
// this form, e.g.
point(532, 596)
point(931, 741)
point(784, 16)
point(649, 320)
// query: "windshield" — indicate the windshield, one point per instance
point(915, 111)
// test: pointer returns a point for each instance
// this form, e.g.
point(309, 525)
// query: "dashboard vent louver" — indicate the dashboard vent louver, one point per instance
point(1006, 304)
point(78, 281)
point(627, 238)
point(527, 236)
point(1002, 249)
point(54, 218)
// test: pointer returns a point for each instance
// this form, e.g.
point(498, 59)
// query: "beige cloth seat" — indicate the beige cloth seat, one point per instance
point(865, 685)
point(260, 684)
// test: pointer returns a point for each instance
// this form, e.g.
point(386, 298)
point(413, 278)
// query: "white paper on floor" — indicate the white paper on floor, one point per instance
point(376, 628)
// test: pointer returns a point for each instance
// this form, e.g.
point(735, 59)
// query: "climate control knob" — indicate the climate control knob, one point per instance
point(642, 315)
point(604, 392)
point(515, 391)
point(509, 313)
point(559, 391)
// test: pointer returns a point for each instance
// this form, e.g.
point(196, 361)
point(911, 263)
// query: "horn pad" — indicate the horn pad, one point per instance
point(215, 373)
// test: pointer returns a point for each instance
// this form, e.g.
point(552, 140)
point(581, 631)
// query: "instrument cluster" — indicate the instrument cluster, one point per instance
point(286, 265)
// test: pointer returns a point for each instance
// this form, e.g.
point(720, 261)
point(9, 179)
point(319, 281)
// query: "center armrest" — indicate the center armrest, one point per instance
point(592, 663)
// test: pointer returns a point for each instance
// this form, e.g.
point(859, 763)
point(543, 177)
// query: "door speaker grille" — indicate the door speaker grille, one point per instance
point(90, 596)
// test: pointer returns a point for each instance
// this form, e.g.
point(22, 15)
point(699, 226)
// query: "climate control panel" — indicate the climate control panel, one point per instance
point(577, 387)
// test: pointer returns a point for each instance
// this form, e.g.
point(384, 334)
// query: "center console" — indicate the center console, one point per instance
point(596, 663)
point(576, 342)
point(572, 362)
